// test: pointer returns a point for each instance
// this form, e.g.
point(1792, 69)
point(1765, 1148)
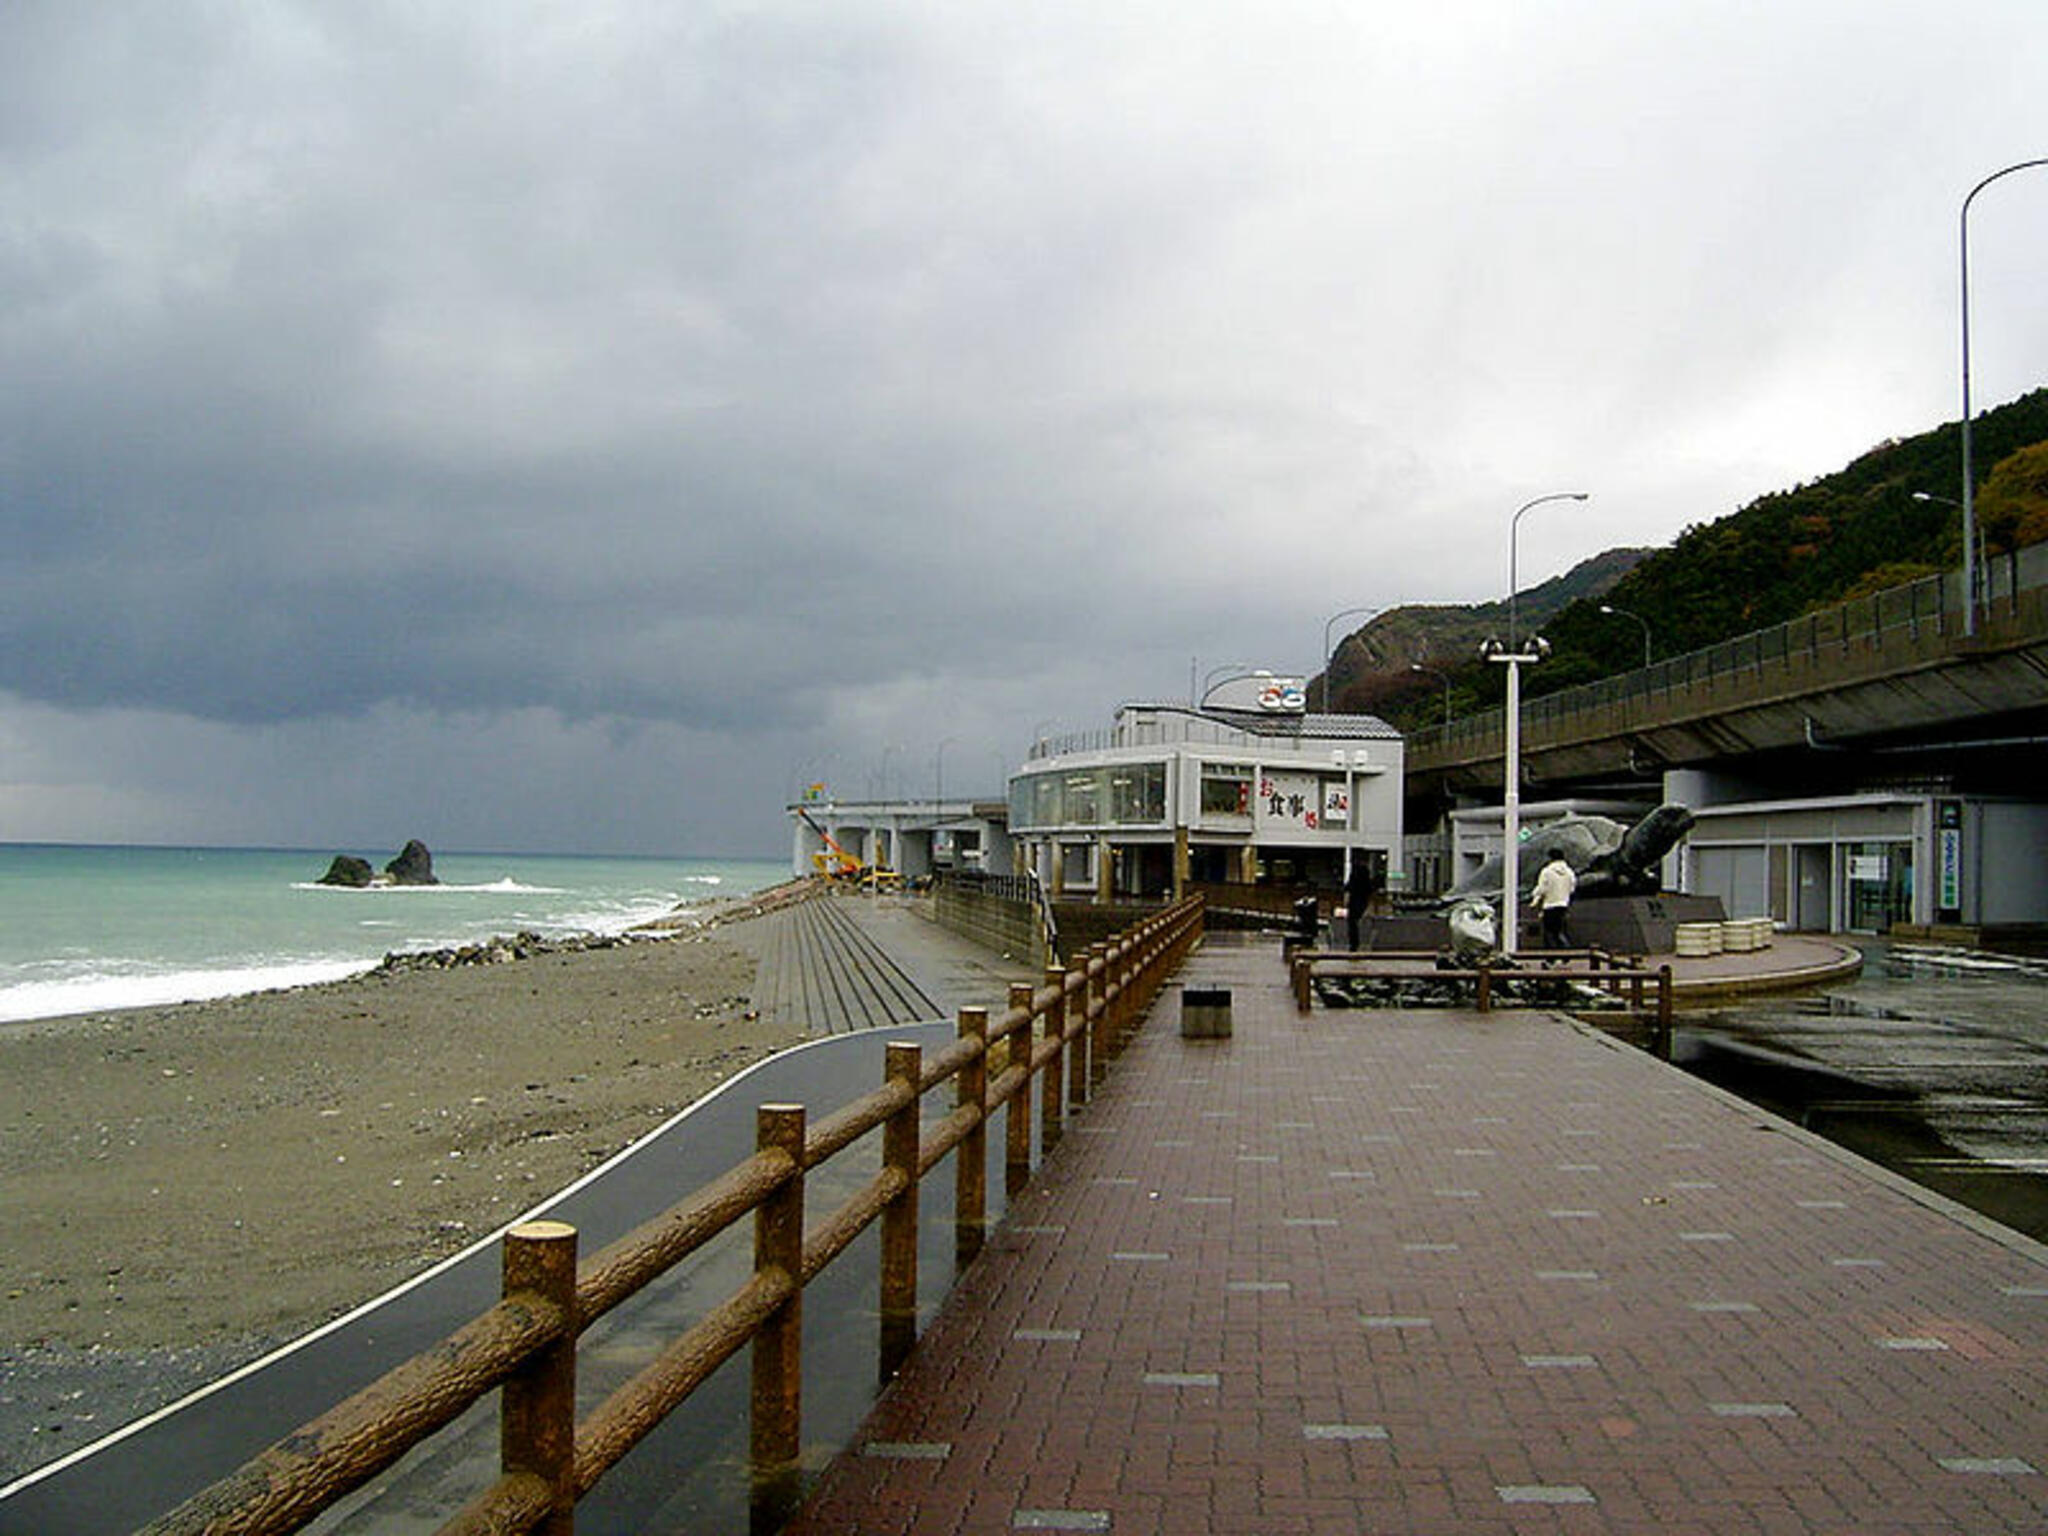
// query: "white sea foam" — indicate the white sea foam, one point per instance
point(91, 929)
point(506, 886)
point(103, 992)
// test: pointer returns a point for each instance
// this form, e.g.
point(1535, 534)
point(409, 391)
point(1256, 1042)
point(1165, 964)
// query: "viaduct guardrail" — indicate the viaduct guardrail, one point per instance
point(1054, 1042)
point(1823, 675)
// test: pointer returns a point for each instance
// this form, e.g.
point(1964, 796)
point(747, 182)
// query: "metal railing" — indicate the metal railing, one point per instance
point(1927, 608)
point(1059, 1036)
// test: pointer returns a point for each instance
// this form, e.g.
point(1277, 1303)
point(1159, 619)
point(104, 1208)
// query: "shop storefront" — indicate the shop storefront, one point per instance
point(1251, 790)
point(1868, 863)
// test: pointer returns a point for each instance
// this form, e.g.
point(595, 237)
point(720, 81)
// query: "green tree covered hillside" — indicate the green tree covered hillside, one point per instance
point(1784, 554)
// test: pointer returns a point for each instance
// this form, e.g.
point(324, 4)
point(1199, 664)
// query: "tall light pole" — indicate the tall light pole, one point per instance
point(1215, 672)
point(1440, 676)
point(939, 774)
point(1333, 618)
point(1983, 560)
point(1969, 490)
point(1511, 803)
point(1514, 658)
point(1624, 613)
point(1514, 526)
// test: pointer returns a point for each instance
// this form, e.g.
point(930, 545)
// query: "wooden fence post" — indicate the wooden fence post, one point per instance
point(970, 1170)
point(778, 1375)
point(899, 1216)
point(537, 1414)
point(1017, 1111)
point(1123, 982)
point(1053, 1086)
point(1664, 1012)
point(1098, 1020)
point(1085, 1068)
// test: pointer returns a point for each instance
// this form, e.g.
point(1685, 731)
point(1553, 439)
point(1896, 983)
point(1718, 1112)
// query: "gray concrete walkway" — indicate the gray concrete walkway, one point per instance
point(1445, 1272)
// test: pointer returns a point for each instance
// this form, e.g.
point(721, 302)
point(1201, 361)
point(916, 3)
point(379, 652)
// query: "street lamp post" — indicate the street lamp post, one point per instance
point(1333, 618)
point(1514, 658)
point(1983, 559)
point(1350, 762)
point(1511, 802)
point(1514, 526)
point(1969, 490)
point(1440, 676)
point(1624, 613)
point(1214, 673)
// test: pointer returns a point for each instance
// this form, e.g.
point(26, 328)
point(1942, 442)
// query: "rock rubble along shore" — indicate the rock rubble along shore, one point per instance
point(502, 950)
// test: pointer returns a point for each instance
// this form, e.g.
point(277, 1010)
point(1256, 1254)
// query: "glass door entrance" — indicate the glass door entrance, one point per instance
point(1880, 881)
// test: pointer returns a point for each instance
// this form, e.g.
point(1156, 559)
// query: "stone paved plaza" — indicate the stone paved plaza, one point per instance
point(1445, 1272)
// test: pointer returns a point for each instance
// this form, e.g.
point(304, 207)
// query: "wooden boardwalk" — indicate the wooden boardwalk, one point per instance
point(1444, 1272)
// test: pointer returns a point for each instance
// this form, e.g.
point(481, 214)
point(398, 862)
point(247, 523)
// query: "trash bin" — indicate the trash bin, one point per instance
point(1205, 1013)
point(1308, 919)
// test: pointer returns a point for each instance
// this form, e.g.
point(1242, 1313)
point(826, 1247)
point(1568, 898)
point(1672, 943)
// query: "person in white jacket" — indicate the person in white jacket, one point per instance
point(1553, 898)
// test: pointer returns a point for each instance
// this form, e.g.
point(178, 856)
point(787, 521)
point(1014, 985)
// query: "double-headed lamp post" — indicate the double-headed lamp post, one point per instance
point(1511, 803)
point(1514, 658)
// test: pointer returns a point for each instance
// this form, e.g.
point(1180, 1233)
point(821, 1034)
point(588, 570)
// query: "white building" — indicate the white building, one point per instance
point(1867, 862)
point(1248, 788)
point(909, 838)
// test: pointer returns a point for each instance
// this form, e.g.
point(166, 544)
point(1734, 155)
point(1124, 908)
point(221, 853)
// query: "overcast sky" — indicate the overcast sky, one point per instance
point(576, 426)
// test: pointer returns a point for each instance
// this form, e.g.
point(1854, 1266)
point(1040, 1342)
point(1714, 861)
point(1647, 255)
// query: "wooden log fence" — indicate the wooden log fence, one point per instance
point(1622, 978)
point(1058, 1037)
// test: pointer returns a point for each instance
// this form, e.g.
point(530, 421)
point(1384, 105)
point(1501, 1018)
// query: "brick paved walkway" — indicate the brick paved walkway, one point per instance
point(1445, 1272)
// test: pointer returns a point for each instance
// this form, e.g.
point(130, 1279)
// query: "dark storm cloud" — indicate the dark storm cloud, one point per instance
point(742, 385)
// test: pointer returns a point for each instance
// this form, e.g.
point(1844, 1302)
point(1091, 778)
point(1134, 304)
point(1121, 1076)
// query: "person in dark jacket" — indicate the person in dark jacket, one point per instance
point(1361, 889)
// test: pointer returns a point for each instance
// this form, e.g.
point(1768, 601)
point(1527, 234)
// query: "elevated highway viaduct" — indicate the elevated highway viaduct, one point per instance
point(1883, 690)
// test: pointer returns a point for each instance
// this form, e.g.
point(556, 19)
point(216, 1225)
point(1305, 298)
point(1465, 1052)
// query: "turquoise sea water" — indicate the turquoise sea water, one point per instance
point(89, 928)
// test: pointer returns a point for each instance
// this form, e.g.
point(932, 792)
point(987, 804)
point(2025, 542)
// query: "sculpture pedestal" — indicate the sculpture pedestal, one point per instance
point(1402, 931)
point(1638, 925)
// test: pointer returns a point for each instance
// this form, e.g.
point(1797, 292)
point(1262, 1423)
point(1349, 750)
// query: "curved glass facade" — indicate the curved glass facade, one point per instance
point(1108, 795)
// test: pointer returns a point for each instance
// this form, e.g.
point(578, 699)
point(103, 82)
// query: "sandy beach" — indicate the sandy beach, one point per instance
point(182, 1188)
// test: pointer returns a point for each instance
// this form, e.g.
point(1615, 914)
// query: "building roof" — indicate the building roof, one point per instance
point(1160, 723)
point(1327, 727)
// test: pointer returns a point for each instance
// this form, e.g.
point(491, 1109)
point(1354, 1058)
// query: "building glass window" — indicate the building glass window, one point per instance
point(1039, 797)
point(1083, 794)
point(1137, 794)
point(1226, 789)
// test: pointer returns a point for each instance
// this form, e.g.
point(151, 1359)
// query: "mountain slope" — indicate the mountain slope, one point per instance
point(1782, 555)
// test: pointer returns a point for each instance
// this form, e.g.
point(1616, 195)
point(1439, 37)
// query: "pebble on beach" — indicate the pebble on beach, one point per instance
point(185, 1187)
